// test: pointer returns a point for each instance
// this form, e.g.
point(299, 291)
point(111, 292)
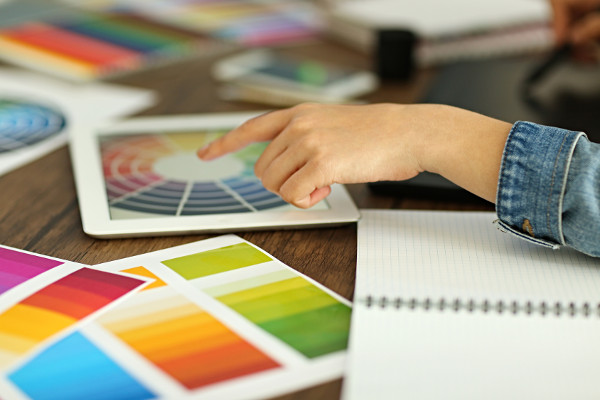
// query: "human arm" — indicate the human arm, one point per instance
point(545, 180)
point(313, 146)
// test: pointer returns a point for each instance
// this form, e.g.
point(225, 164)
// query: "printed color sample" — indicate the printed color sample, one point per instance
point(57, 307)
point(159, 175)
point(251, 22)
point(141, 271)
point(216, 261)
point(90, 46)
point(17, 267)
point(24, 123)
point(74, 368)
point(185, 342)
point(292, 309)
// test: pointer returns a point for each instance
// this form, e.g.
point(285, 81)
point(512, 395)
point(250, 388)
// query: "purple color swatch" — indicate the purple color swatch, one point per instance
point(17, 267)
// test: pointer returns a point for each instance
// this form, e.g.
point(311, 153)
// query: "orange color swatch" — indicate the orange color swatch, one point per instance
point(186, 342)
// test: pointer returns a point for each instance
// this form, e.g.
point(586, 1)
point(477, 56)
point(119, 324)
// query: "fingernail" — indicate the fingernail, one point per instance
point(304, 203)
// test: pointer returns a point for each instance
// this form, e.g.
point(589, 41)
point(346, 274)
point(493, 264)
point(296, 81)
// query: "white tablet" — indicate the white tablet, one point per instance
point(141, 177)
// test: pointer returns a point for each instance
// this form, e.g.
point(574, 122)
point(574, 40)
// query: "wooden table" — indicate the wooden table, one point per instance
point(39, 210)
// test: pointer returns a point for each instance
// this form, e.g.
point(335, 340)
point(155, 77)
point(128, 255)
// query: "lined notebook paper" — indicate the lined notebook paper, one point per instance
point(447, 306)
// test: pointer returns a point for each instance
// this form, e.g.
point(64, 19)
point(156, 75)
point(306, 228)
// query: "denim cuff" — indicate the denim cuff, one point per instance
point(532, 181)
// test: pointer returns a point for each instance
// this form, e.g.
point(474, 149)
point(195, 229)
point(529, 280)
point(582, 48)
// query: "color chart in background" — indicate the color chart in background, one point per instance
point(24, 123)
point(186, 342)
point(89, 46)
point(56, 307)
point(252, 23)
point(248, 22)
point(17, 267)
point(282, 303)
point(75, 368)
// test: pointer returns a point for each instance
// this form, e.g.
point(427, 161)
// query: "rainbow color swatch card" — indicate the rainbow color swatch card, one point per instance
point(247, 22)
point(85, 46)
point(222, 320)
point(42, 297)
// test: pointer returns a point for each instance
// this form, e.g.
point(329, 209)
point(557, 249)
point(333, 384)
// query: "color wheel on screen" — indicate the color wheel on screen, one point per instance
point(24, 123)
point(159, 175)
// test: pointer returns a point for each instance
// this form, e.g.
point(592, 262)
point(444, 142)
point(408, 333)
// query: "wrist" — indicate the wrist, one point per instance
point(435, 135)
point(464, 147)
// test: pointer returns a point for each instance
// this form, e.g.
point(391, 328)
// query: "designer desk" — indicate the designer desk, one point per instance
point(39, 210)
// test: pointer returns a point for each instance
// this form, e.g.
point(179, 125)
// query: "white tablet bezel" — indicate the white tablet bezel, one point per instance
point(95, 214)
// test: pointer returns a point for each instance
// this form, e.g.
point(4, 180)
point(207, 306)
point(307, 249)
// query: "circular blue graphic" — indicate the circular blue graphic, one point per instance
point(24, 123)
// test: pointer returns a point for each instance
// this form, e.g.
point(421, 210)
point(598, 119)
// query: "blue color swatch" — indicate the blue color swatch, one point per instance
point(74, 368)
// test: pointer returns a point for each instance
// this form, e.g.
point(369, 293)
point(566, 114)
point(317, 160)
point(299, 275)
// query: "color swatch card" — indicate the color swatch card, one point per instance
point(42, 297)
point(84, 46)
point(37, 112)
point(222, 320)
point(248, 22)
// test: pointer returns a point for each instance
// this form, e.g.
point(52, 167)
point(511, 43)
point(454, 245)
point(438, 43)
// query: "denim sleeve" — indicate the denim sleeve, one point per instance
point(549, 187)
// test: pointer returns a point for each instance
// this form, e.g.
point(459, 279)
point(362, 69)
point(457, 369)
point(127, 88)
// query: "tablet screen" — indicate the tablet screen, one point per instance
point(157, 174)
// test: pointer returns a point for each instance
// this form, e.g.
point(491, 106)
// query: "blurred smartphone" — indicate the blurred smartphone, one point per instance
point(315, 79)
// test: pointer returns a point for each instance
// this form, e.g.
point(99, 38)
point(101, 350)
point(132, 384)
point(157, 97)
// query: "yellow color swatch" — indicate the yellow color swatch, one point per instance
point(22, 327)
point(141, 271)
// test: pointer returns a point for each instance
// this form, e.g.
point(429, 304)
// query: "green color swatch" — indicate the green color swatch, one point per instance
point(292, 309)
point(315, 332)
point(249, 283)
point(216, 261)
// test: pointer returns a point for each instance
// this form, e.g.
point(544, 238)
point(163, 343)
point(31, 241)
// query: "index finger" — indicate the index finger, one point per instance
point(258, 129)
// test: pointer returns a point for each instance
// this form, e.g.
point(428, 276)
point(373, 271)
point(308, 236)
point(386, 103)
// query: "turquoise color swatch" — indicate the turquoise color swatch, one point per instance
point(74, 368)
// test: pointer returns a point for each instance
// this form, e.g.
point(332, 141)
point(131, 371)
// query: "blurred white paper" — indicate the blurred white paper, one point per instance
point(438, 18)
point(80, 104)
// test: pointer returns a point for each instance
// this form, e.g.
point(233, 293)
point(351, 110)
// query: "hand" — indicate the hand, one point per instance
point(314, 146)
point(577, 22)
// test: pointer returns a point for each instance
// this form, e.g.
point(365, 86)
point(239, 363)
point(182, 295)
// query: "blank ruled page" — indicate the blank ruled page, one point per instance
point(407, 349)
point(424, 355)
point(462, 255)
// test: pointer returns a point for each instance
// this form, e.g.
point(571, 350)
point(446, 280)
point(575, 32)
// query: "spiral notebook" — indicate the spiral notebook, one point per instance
point(447, 306)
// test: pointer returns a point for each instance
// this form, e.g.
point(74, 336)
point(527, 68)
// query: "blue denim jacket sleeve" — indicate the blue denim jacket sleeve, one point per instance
point(549, 187)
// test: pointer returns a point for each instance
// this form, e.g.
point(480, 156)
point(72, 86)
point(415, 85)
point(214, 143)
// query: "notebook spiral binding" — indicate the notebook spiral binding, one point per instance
point(558, 309)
